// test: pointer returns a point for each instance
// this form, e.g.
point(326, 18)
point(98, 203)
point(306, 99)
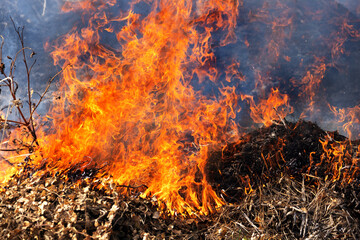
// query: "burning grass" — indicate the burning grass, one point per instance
point(130, 146)
point(284, 202)
point(293, 148)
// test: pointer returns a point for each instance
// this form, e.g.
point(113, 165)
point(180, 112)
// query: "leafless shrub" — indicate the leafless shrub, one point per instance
point(26, 114)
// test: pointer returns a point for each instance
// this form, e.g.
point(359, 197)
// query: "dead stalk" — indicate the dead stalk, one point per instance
point(44, 8)
point(2, 66)
point(28, 72)
point(281, 119)
point(47, 89)
point(15, 102)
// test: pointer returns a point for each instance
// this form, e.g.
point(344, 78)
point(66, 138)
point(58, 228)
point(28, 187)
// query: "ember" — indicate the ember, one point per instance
point(171, 119)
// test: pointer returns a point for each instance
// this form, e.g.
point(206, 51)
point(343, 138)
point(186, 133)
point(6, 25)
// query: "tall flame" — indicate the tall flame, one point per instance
point(132, 110)
point(136, 111)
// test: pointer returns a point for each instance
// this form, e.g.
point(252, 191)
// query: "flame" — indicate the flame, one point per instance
point(347, 31)
point(342, 161)
point(16, 149)
point(132, 111)
point(349, 118)
point(275, 106)
point(309, 86)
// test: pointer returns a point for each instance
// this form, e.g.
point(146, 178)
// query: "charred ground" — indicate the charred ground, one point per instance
point(268, 153)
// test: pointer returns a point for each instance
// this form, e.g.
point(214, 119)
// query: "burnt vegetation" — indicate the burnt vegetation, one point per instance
point(285, 199)
point(25, 109)
point(267, 153)
point(290, 180)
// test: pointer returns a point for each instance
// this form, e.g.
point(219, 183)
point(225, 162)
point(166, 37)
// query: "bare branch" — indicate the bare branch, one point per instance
point(2, 65)
point(44, 8)
point(281, 119)
point(47, 89)
point(28, 71)
point(12, 121)
point(7, 112)
point(15, 58)
point(7, 161)
point(15, 102)
point(12, 150)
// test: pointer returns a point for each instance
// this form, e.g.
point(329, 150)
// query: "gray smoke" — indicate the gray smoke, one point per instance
point(43, 22)
point(313, 23)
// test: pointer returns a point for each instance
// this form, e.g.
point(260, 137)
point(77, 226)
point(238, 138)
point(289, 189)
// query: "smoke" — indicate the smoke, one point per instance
point(352, 5)
point(43, 22)
point(278, 44)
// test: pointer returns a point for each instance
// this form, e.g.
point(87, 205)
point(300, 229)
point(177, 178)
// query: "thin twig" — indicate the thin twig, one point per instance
point(22, 155)
point(12, 66)
point(2, 66)
point(12, 150)
point(47, 89)
point(28, 71)
point(7, 161)
point(44, 8)
point(32, 65)
point(281, 119)
point(10, 163)
point(134, 187)
point(7, 112)
point(251, 223)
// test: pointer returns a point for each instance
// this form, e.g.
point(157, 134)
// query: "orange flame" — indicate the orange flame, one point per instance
point(132, 111)
point(349, 118)
point(275, 106)
point(343, 162)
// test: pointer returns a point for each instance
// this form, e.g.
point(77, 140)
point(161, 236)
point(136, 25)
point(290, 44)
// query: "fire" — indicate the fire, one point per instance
point(135, 111)
point(343, 161)
point(309, 85)
point(132, 112)
point(349, 119)
point(275, 106)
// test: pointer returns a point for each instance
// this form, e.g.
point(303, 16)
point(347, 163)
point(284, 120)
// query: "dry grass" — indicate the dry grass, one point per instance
point(50, 208)
point(288, 209)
